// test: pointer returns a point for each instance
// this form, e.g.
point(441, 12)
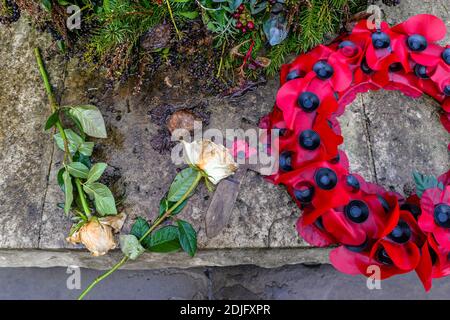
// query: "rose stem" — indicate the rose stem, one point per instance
point(54, 108)
point(153, 226)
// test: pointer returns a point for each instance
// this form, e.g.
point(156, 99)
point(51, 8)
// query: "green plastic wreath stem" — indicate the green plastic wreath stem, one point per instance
point(173, 20)
point(153, 226)
point(54, 108)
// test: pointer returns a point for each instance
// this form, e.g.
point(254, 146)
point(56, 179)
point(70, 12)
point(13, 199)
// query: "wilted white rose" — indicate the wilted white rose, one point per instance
point(211, 158)
point(97, 234)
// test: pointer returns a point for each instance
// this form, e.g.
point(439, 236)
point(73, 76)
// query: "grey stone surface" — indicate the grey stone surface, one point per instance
point(406, 136)
point(267, 258)
point(26, 149)
point(296, 282)
point(380, 146)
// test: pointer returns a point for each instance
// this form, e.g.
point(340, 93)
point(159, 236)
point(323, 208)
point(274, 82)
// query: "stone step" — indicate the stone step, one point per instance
point(386, 135)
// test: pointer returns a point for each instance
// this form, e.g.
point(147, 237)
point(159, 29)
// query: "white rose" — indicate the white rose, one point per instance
point(211, 158)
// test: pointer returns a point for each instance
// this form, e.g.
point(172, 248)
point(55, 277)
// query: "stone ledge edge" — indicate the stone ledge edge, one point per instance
point(266, 258)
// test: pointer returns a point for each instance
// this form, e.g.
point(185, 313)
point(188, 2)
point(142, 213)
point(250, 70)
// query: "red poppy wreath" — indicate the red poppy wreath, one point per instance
point(370, 225)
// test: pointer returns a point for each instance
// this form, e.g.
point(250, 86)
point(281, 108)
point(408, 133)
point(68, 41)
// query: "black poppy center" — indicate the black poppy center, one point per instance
point(352, 182)
point(416, 42)
point(412, 208)
point(308, 101)
point(294, 74)
point(309, 140)
point(447, 90)
point(323, 70)
point(325, 178)
point(286, 161)
point(304, 193)
point(380, 40)
point(401, 233)
point(421, 71)
point(446, 55)
point(357, 211)
point(365, 67)
point(442, 215)
point(383, 257)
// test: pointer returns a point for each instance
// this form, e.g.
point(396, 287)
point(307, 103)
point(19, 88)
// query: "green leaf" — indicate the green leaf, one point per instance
point(103, 198)
point(163, 240)
point(424, 182)
point(139, 228)
point(96, 172)
point(52, 120)
point(47, 5)
point(78, 170)
point(189, 14)
point(130, 246)
point(79, 157)
point(164, 205)
point(180, 185)
point(68, 191)
point(86, 148)
point(91, 120)
point(61, 46)
point(63, 2)
point(60, 178)
point(74, 140)
point(187, 236)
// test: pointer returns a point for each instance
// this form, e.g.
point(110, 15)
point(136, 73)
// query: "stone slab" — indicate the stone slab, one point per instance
point(261, 230)
point(26, 149)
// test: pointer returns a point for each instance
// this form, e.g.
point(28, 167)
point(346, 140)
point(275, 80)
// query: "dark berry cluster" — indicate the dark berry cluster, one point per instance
point(243, 19)
point(10, 13)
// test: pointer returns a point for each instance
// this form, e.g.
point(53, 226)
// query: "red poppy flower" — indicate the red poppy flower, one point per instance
point(396, 253)
point(417, 37)
point(445, 178)
point(364, 216)
point(318, 187)
point(435, 217)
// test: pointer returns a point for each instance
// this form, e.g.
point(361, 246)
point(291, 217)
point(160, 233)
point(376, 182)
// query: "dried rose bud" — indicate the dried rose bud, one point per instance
point(97, 234)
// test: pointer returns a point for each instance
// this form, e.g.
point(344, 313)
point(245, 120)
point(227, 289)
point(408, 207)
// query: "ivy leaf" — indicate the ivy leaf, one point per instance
point(165, 205)
point(424, 182)
point(276, 29)
point(96, 172)
point(91, 120)
point(68, 192)
point(47, 5)
point(189, 14)
point(163, 240)
point(60, 178)
point(130, 246)
point(79, 157)
point(52, 120)
point(187, 236)
point(86, 148)
point(140, 227)
point(180, 185)
point(74, 140)
point(103, 198)
point(78, 170)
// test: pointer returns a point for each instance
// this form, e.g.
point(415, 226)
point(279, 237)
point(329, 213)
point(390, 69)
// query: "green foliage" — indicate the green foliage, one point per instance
point(183, 180)
point(130, 246)
point(188, 237)
point(90, 119)
point(103, 198)
point(424, 182)
point(163, 240)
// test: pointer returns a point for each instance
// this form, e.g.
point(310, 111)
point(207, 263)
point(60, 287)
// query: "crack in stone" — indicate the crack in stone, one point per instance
point(369, 140)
